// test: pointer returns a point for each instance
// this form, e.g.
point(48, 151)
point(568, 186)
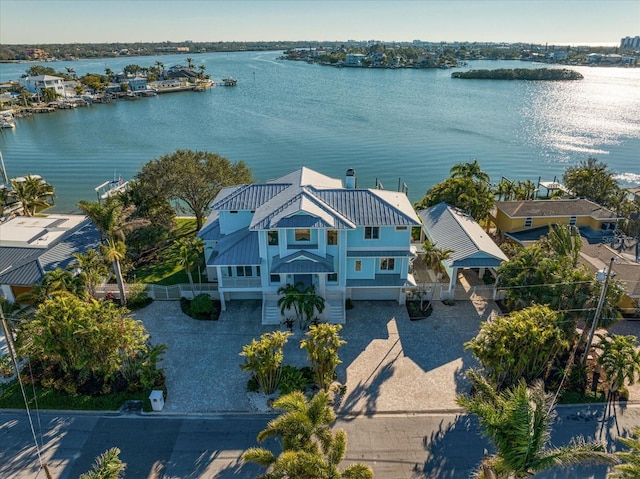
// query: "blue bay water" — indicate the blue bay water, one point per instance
point(411, 125)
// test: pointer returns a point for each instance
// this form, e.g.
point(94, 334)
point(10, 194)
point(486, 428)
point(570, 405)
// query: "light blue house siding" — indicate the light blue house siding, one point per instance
point(308, 228)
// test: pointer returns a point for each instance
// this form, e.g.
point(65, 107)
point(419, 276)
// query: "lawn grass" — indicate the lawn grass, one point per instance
point(11, 398)
point(167, 270)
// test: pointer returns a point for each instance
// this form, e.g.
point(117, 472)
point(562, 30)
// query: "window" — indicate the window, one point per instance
point(371, 232)
point(234, 212)
point(528, 222)
point(332, 237)
point(573, 220)
point(303, 234)
point(387, 264)
point(332, 278)
point(401, 228)
point(244, 271)
point(272, 236)
point(275, 278)
point(358, 265)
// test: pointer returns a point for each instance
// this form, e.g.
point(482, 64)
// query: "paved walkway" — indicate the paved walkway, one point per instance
point(390, 364)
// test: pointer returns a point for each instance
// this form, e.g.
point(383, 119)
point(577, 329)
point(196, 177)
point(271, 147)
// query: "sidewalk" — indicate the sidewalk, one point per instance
point(390, 364)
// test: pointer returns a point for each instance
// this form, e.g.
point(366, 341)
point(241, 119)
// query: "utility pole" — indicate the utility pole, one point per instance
point(596, 316)
point(12, 352)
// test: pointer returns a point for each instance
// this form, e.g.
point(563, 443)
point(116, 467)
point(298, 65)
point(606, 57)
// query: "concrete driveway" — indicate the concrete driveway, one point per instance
point(389, 364)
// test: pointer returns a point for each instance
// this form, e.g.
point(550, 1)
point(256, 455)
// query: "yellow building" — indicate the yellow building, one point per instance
point(526, 221)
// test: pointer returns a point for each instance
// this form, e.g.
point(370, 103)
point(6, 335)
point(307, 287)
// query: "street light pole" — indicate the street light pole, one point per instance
point(596, 316)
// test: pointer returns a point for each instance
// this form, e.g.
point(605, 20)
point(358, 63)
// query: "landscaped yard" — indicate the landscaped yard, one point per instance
point(166, 269)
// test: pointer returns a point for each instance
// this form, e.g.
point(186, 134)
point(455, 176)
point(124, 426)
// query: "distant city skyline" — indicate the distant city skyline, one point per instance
point(560, 22)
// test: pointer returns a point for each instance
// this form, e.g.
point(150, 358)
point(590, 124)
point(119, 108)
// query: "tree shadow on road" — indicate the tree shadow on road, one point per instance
point(453, 451)
point(367, 391)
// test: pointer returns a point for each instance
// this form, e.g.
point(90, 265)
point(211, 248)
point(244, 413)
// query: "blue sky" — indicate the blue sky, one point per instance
point(536, 21)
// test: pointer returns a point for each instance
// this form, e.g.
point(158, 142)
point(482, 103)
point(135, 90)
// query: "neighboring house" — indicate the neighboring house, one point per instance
point(138, 83)
point(626, 269)
point(308, 228)
point(353, 59)
point(450, 228)
point(35, 84)
point(33, 246)
point(527, 221)
point(182, 73)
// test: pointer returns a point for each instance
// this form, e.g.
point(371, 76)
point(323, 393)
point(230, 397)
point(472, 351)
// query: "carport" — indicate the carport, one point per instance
point(452, 228)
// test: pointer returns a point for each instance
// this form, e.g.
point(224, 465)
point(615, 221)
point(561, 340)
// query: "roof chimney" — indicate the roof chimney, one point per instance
point(350, 180)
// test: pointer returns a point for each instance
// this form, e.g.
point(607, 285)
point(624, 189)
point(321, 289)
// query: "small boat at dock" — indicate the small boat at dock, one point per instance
point(110, 188)
point(229, 81)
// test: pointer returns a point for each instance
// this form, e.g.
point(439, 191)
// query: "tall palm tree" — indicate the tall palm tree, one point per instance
point(290, 298)
point(564, 240)
point(114, 252)
point(469, 170)
point(310, 450)
point(111, 218)
point(518, 423)
point(33, 192)
point(189, 254)
point(619, 359)
point(310, 302)
point(190, 63)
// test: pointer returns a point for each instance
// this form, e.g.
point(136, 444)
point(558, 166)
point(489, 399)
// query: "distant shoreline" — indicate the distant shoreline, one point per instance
point(533, 74)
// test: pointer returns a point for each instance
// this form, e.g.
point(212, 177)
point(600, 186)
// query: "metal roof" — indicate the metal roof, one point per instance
point(303, 262)
point(211, 229)
point(380, 254)
point(453, 229)
point(26, 266)
point(246, 197)
point(238, 248)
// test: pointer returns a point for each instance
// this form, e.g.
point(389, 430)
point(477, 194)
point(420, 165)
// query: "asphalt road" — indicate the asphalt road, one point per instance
point(165, 446)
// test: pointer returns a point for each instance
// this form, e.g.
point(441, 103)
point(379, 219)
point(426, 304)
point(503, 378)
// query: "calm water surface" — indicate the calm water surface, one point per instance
point(387, 124)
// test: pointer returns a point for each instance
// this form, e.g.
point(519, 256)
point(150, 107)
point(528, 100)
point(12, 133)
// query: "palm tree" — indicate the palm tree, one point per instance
point(53, 283)
point(310, 302)
point(469, 170)
point(33, 192)
point(518, 423)
point(189, 254)
point(619, 359)
point(107, 466)
point(630, 467)
point(111, 218)
point(190, 63)
point(310, 450)
point(201, 70)
point(93, 270)
point(434, 257)
point(114, 252)
point(290, 298)
point(322, 344)
point(564, 240)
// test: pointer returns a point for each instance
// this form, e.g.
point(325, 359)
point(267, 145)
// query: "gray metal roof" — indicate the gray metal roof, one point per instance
point(238, 248)
point(380, 254)
point(246, 197)
point(26, 266)
point(303, 262)
point(211, 229)
point(453, 229)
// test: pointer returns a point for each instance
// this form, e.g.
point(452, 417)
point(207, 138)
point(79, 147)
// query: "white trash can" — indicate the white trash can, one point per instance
point(157, 400)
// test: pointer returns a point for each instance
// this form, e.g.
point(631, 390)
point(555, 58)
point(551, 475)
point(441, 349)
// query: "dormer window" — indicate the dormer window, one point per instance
point(303, 234)
point(272, 236)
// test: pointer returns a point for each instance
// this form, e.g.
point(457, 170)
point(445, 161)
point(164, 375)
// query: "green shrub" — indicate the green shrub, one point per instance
point(201, 307)
point(138, 297)
point(185, 306)
point(292, 379)
point(252, 385)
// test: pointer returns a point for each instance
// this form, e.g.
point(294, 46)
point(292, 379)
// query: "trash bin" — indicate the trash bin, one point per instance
point(157, 400)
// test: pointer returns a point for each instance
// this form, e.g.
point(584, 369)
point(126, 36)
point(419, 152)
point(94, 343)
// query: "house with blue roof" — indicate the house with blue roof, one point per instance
point(305, 227)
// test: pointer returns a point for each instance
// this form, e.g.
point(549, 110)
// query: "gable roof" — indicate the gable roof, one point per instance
point(555, 207)
point(238, 248)
point(453, 229)
point(278, 202)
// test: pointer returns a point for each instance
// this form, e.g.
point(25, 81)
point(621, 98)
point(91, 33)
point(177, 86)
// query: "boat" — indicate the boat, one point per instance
point(6, 119)
point(229, 81)
point(111, 188)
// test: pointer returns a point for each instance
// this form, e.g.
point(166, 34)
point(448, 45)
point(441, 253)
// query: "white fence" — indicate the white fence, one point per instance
point(163, 293)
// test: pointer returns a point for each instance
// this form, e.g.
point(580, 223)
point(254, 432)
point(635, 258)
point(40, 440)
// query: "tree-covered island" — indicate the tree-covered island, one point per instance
point(548, 74)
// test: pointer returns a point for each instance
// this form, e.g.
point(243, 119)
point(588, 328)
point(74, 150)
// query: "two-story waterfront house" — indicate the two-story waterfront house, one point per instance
point(35, 84)
point(308, 228)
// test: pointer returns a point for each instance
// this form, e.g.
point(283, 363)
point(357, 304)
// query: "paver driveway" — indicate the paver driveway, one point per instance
point(390, 364)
